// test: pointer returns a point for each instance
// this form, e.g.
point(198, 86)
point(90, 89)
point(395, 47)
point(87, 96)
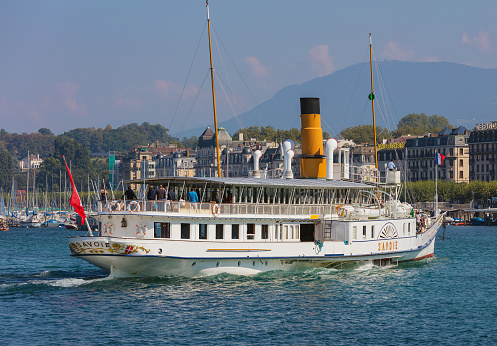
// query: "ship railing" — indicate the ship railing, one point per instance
point(317, 211)
point(215, 209)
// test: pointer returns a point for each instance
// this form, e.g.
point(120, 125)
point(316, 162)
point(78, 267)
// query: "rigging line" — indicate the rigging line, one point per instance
point(187, 76)
point(245, 83)
point(216, 38)
point(380, 72)
point(221, 82)
point(355, 87)
point(227, 98)
point(329, 127)
point(190, 110)
point(383, 110)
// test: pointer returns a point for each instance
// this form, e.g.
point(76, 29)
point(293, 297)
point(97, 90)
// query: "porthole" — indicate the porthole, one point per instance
point(253, 263)
point(239, 263)
point(160, 251)
point(266, 262)
point(217, 264)
point(193, 264)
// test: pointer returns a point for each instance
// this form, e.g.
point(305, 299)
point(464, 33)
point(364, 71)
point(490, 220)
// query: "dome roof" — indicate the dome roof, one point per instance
point(247, 151)
point(177, 155)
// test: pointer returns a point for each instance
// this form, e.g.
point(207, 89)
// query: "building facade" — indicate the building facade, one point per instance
point(453, 144)
point(483, 152)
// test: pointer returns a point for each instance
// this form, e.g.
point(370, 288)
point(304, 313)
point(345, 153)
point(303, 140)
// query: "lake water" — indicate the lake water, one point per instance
point(48, 297)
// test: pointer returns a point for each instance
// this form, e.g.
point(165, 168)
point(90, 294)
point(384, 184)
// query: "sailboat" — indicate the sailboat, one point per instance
point(4, 225)
point(258, 224)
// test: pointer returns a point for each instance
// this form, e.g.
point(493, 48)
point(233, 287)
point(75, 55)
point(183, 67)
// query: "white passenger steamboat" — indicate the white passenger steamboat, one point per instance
point(251, 225)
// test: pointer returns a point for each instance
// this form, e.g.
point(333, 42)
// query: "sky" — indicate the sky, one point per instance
point(92, 63)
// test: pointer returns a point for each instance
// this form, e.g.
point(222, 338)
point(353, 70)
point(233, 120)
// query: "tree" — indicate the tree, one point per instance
point(6, 169)
point(365, 133)
point(420, 124)
point(45, 131)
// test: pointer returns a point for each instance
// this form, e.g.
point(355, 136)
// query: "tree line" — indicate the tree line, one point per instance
point(412, 124)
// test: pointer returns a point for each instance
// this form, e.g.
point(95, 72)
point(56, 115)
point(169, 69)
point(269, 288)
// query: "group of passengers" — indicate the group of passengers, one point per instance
point(422, 222)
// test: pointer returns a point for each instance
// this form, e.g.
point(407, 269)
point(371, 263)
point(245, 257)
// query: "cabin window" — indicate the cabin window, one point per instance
point(364, 232)
point(250, 231)
point(185, 231)
point(265, 232)
point(235, 231)
point(285, 232)
point(408, 229)
point(220, 231)
point(404, 229)
point(202, 231)
point(354, 233)
point(277, 231)
point(162, 230)
point(372, 232)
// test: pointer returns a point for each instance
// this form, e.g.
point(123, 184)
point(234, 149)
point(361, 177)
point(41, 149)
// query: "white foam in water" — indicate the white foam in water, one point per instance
point(73, 282)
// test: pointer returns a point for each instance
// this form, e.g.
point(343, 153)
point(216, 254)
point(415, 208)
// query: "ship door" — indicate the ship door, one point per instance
point(306, 232)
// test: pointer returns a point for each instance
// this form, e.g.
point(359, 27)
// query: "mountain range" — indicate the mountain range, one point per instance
point(463, 94)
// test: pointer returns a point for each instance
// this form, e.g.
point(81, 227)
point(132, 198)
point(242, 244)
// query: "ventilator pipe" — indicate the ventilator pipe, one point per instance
point(287, 145)
point(288, 162)
point(257, 156)
point(331, 145)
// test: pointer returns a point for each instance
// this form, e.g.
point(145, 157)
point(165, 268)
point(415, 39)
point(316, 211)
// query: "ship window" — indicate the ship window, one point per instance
point(404, 229)
point(162, 230)
point(185, 231)
point(354, 233)
point(265, 232)
point(250, 231)
point(219, 231)
point(372, 232)
point(235, 231)
point(408, 229)
point(364, 232)
point(202, 231)
point(285, 232)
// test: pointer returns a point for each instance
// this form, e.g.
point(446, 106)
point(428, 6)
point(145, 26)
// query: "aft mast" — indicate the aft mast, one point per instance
point(371, 97)
point(213, 92)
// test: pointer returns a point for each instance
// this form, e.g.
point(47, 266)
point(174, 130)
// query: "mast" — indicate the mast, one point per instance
point(213, 92)
point(371, 97)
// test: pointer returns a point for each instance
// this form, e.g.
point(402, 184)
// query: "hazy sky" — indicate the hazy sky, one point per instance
point(88, 63)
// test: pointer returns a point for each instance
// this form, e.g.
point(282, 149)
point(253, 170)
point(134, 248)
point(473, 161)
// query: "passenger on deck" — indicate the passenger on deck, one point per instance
point(192, 196)
point(160, 193)
point(151, 193)
point(129, 193)
point(171, 195)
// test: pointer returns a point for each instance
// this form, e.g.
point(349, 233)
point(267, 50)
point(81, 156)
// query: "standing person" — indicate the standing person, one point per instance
point(391, 166)
point(151, 193)
point(103, 193)
point(160, 193)
point(171, 195)
point(129, 193)
point(192, 196)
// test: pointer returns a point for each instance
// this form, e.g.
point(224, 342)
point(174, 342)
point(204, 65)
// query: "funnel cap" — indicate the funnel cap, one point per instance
point(309, 105)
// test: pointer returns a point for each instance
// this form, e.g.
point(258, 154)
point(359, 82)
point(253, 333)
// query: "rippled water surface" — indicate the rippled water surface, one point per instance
point(48, 297)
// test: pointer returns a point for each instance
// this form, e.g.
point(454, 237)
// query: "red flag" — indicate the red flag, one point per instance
point(74, 200)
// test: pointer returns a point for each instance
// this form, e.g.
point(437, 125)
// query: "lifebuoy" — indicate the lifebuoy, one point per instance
point(216, 208)
point(115, 206)
point(140, 230)
point(134, 206)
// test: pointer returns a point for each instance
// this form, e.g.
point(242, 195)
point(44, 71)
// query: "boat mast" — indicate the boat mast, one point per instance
point(371, 97)
point(213, 92)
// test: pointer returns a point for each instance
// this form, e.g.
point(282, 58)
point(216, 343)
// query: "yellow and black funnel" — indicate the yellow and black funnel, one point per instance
point(313, 160)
